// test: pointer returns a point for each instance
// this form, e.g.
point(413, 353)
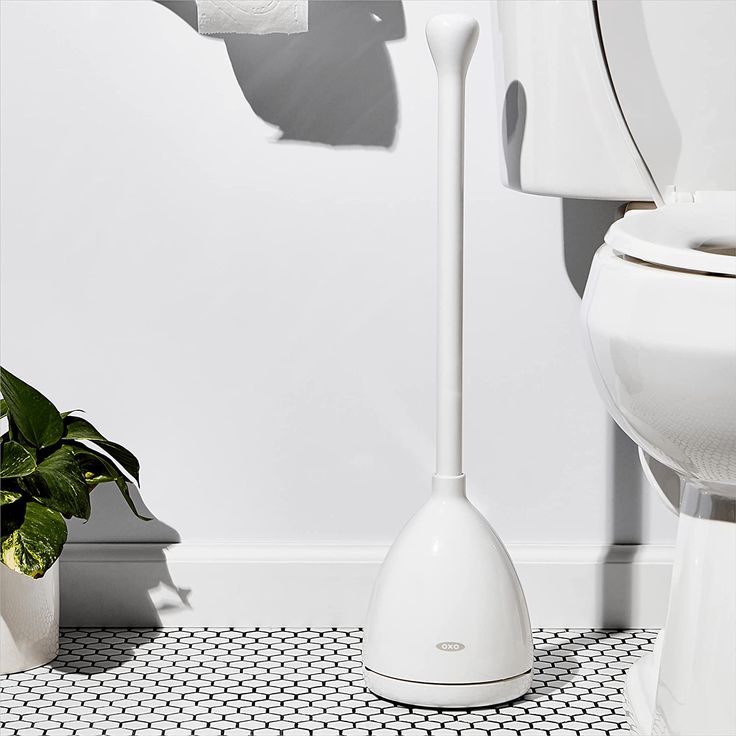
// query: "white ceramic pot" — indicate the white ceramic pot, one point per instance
point(29, 619)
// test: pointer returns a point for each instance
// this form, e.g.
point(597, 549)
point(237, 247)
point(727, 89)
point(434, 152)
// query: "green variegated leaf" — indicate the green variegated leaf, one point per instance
point(33, 546)
point(7, 497)
point(94, 464)
point(3, 408)
point(98, 468)
point(124, 457)
point(16, 460)
point(59, 484)
point(77, 428)
point(35, 416)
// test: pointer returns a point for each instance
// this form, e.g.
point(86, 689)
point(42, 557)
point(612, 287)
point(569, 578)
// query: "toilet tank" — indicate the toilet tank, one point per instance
point(562, 132)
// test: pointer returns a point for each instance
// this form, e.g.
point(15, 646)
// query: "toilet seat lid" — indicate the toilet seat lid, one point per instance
point(693, 236)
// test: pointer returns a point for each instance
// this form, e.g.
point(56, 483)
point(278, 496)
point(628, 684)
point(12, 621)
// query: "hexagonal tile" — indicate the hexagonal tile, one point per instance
point(295, 682)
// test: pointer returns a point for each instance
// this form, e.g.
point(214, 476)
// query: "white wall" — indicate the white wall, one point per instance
point(255, 318)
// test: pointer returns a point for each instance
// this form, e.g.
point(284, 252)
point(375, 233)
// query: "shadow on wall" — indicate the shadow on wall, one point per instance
point(142, 587)
point(333, 84)
point(625, 510)
point(584, 224)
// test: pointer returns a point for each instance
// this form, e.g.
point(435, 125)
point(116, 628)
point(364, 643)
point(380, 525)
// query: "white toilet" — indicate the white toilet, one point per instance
point(636, 101)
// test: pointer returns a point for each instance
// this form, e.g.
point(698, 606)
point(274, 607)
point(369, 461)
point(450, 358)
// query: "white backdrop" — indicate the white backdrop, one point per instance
point(255, 318)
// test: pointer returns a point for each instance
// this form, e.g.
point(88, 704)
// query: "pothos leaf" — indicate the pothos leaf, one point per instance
point(16, 460)
point(59, 484)
point(34, 546)
point(98, 468)
point(8, 497)
point(77, 428)
point(35, 416)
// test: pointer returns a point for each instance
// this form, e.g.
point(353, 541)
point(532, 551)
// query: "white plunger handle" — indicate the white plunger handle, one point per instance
point(452, 40)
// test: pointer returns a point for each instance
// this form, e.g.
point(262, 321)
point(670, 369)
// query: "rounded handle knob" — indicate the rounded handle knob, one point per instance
point(452, 39)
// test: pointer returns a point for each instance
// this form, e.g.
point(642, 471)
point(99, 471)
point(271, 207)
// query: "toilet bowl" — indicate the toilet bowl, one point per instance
point(661, 340)
point(636, 101)
point(660, 321)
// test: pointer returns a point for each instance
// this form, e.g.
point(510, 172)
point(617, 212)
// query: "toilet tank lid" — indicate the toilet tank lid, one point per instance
point(699, 235)
point(672, 65)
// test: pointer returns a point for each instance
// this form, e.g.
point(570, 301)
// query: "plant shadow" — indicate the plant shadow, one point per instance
point(90, 651)
point(114, 569)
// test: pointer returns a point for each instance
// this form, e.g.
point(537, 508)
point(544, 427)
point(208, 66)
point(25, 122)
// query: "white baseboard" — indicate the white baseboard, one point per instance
point(240, 585)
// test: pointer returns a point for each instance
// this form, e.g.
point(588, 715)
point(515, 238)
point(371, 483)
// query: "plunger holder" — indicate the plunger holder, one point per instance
point(448, 625)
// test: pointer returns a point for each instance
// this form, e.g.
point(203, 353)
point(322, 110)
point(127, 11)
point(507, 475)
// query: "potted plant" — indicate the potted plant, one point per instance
point(51, 461)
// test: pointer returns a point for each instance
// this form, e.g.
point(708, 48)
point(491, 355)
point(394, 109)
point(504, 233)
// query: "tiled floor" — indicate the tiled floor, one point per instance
point(297, 682)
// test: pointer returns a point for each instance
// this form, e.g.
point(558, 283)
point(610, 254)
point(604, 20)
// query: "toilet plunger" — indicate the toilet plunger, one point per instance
point(448, 625)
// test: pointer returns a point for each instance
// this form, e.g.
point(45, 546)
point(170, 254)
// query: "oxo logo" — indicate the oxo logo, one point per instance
point(450, 646)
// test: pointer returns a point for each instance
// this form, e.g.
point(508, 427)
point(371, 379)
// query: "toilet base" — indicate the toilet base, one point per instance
point(686, 685)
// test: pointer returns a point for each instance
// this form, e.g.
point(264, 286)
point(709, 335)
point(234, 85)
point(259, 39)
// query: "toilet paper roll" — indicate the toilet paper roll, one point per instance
point(252, 16)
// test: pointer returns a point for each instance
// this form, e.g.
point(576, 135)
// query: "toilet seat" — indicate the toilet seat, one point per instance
point(696, 235)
